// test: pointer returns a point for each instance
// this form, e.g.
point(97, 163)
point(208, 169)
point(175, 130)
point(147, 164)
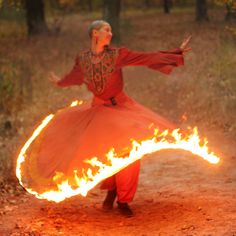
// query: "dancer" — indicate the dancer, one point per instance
point(111, 119)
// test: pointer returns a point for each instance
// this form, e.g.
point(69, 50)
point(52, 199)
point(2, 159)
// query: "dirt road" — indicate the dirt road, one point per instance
point(178, 194)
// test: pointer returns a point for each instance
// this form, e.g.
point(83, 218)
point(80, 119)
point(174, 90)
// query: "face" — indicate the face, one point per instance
point(104, 34)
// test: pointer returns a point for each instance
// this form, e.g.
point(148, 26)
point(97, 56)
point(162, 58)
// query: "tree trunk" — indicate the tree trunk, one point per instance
point(111, 13)
point(35, 17)
point(147, 3)
point(90, 5)
point(231, 13)
point(167, 5)
point(201, 10)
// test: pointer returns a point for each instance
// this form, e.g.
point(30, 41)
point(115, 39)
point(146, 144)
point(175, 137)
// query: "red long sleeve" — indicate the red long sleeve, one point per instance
point(74, 77)
point(163, 61)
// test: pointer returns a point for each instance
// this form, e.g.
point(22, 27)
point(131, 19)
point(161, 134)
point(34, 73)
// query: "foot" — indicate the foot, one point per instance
point(109, 200)
point(124, 209)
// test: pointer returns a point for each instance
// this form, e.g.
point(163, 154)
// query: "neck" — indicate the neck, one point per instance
point(97, 48)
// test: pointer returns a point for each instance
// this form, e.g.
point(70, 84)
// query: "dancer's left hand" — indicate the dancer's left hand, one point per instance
point(185, 45)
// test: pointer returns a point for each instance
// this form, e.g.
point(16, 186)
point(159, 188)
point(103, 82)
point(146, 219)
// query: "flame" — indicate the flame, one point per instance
point(81, 185)
point(76, 103)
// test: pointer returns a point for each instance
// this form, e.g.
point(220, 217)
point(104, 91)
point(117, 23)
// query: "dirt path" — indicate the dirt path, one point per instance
point(178, 194)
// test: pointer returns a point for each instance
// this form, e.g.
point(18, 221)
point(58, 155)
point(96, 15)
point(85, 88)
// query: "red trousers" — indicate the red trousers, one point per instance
point(125, 182)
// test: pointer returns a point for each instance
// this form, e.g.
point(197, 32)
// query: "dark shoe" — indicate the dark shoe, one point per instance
point(109, 200)
point(124, 209)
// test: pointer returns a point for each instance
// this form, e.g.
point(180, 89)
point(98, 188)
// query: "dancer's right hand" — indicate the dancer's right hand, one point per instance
point(53, 78)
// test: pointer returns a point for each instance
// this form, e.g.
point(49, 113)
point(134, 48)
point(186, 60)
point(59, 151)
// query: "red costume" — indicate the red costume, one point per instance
point(111, 119)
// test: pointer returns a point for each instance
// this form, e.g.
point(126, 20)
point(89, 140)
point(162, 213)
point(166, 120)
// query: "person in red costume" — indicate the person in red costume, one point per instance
point(100, 68)
point(112, 114)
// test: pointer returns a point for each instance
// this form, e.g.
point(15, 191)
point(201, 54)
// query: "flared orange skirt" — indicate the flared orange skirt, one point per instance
point(78, 133)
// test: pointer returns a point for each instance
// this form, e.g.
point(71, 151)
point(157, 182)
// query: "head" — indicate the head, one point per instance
point(100, 32)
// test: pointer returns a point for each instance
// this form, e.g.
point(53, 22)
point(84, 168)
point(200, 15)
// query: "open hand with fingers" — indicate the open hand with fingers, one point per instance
point(185, 45)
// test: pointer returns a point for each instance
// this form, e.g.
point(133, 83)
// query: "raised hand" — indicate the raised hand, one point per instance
point(185, 45)
point(53, 78)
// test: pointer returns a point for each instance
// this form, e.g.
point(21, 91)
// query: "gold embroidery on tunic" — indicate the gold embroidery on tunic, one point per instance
point(97, 73)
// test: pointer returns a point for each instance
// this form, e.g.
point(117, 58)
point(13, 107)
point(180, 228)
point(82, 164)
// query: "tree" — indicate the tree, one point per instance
point(201, 10)
point(167, 5)
point(230, 6)
point(111, 13)
point(90, 5)
point(231, 10)
point(147, 3)
point(35, 17)
point(87, 5)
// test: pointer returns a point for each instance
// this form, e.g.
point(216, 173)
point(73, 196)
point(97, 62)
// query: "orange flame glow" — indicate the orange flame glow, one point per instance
point(76, 103)
point(184, 117)
point(159, 141)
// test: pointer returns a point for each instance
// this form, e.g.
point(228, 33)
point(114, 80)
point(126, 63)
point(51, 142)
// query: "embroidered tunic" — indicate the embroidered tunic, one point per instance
point(104, 79)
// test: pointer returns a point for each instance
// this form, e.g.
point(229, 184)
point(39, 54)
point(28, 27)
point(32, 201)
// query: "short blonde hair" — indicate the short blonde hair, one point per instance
point(97, 24)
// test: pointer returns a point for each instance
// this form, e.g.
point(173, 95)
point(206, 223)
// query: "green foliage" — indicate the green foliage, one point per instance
point(69, 6)
point(211, 97)
point(231, 3)
point(230, 14)
point(12, 9)
point(7, 74)
point(226, 86)
point(12, 91)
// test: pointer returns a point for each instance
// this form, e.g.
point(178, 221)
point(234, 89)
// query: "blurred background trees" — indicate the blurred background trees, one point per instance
point(40, 17)
point(230, 6)
point(167, 5)
point(34, 11)
point(37, 36)
point(201, 10)
point(111, 13)
point(35, 17)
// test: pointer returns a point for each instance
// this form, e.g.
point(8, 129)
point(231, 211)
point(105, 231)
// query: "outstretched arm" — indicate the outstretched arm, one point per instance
point(74, 77)
point(163, 61)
